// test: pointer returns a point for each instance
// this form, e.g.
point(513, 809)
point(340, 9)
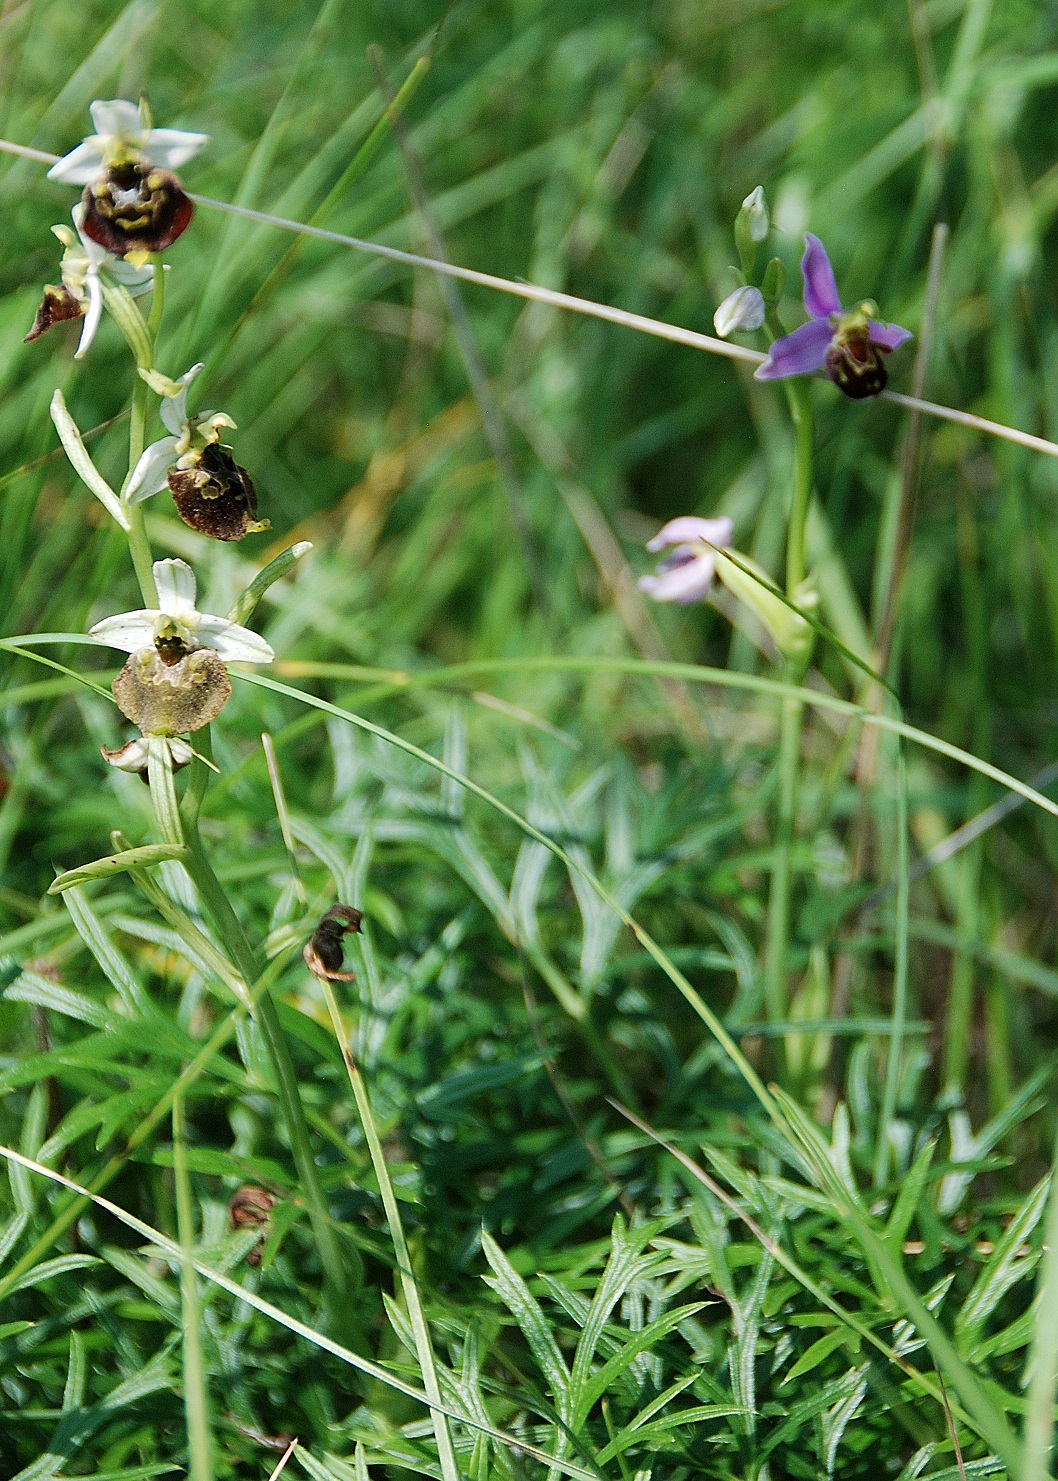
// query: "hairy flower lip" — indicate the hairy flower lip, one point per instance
point(168, 699)
point(217, 496)
point(212, 493)
point(848, 346)
point(136, 208)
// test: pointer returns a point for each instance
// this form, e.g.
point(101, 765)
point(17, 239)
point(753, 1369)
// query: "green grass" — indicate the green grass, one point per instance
point(816, 1246)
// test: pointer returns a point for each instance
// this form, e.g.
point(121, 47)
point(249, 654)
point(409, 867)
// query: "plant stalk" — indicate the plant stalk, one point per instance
point(791, 718)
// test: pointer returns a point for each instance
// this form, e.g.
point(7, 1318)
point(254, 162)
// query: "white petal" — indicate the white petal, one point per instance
point(81, 166)
point(118, 117)
point(129, 631)
point(151, 473)
point(91, 321)
point(131, 757)
point(175, 581)
point(685, 584)
point(173, 410)
point(233, 643)
point(134, 280)
point(172, 148)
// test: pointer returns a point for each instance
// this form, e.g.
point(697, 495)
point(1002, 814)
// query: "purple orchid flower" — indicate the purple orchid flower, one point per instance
point(848, 346)
point(686, 575)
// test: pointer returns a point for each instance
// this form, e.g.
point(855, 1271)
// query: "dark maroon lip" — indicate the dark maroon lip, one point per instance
point(136, 208)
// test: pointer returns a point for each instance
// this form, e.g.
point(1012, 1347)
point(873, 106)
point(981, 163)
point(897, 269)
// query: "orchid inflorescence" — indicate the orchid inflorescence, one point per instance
point(133, 207)
point(848, 346)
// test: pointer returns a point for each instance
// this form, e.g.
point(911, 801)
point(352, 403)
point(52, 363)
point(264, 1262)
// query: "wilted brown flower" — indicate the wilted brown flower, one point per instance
point(324, 953)
point(250, 1206)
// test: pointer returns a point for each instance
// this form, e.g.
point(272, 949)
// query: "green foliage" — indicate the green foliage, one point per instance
point(842, 1277)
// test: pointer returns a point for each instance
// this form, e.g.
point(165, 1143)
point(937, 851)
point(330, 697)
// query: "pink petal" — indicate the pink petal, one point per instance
point(889, 336)
point(821, 291)
point(686, 583)
point(687, 528)
point(799, 353)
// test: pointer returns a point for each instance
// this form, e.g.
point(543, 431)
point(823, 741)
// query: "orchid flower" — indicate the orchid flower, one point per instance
point(176, 625)
point(85, 266)
point(183, 448)
point(849, 347)
point(134, 204)
point(700, 554)
point(212, 493)
point(686, 575)
point(175, 680)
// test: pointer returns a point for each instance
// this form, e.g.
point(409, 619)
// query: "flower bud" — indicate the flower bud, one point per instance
point(136, 207)
point(774, 281)
point(167, 694)
point(741, 310)
point(216, 496)
point(755, 209)
point(751, 227)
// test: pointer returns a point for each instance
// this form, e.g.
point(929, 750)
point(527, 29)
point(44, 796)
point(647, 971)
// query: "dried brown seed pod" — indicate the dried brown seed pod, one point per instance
point(324, 953)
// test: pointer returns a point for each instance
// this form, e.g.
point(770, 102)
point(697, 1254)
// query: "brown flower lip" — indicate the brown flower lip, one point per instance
point(56, 307)
point(324, 955)
point(136, 207)
point(164, 697)
point(217, 496)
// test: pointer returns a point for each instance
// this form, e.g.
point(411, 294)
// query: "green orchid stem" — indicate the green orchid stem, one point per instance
point(196, 1396)
point(777, 939)
point(139, 545)
point(343, 1277)
point(799, 400)
point(140, 550)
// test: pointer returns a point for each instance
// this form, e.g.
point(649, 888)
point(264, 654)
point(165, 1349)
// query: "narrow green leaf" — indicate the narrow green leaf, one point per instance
point(274, 571)
point(92, 932)
point(29, 987)
point(536, 1330)
point(106, 868)
point(61, 1265)
point(642, 1341)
